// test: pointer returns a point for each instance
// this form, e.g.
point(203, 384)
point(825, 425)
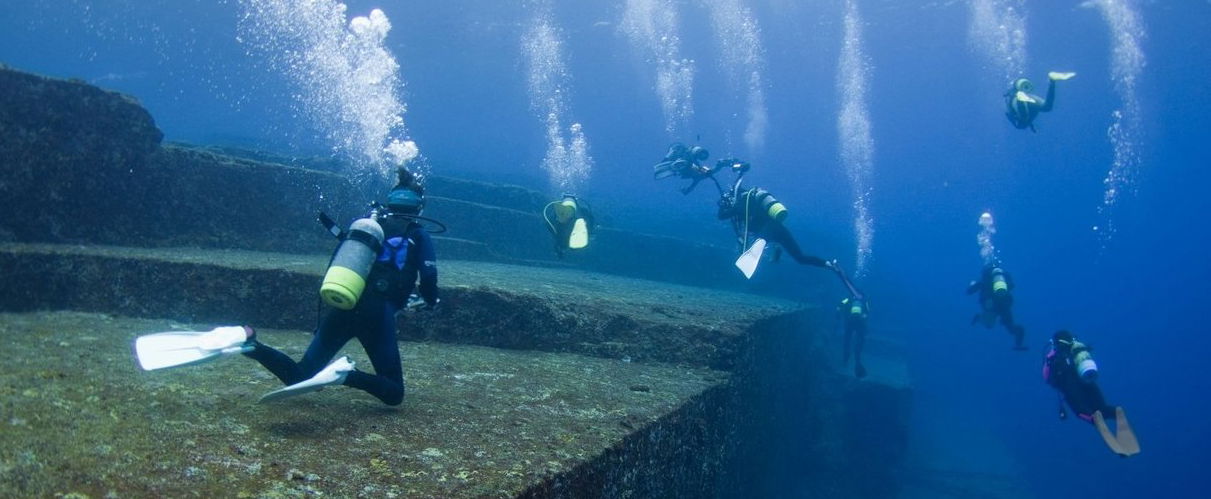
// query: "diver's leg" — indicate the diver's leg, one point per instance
point(379, 341)
point(778, 233)
point(278, 363)
point(1050, 96)
point(333, 333)
point(859, 341)
point(324, 344)
point(849, 334)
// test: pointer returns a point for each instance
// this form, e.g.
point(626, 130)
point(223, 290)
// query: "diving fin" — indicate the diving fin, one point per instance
point(182, 348)
point(1058, 76)
point(1126, 437)
point(1024, 97)
point(334, 374)
point(1111, 441)
point(580, 235)
point(747, 263)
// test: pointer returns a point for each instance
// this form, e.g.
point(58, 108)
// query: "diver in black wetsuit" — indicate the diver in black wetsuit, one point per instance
point(1022, 107)
point(996, 301)
point(406, 253)
point(853, 313)
point(756, 213)
point(1069, 368)
point(686, 162)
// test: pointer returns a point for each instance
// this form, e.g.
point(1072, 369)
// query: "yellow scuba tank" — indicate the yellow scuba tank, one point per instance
point(566, 211)
point(999, 284)
point(769, 204)
point(346, 276)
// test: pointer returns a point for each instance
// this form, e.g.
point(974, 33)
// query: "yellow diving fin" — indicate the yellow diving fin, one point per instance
point(580, 235)
point(1126, 437)
point(1111, 441)
point(1058, 76)
point(1025, 97)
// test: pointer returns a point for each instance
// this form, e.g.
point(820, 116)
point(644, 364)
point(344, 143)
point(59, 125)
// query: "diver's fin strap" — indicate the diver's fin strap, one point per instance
point(330, 226)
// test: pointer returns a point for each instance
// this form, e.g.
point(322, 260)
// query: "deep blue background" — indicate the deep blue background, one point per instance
point(943, 155)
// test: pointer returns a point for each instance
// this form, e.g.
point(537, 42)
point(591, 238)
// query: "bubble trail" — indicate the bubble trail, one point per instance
point(1127, 63)
point(988, 228)
point(742, 60)
point(854, 131)
point(651, 27)
point(998, 32)
point(348, 81)
point(567, 159)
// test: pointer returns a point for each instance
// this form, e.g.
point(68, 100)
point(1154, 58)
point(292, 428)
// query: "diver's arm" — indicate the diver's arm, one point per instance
point(973, 287)
point(426, 265)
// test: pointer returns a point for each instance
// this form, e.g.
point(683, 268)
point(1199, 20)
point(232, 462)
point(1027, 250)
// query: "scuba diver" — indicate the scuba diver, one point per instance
point(1069, 368)
point(757, 217)
point(1022, 107)
point(686, 162)
point(569, 221)
point(996, 300)
point(370, 277)
point(853, 313)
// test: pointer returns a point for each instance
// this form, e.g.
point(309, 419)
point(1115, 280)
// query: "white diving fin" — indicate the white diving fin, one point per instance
point(334, 374)
point(747, 263)
point(1060, 76)
point(580, 235)
point(1025, 97)
point(182, 348)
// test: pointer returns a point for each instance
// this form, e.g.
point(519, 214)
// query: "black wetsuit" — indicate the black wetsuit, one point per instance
point(750, 219)
point(996, 304)
point(1083, 397)
point(854, 312)
point(372, 320)
point(1022, 114)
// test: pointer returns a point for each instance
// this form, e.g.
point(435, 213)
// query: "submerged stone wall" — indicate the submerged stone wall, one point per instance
point(82, 165)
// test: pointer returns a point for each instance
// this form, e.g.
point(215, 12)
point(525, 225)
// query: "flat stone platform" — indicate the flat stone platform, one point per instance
point(79, 416)
point(530, 382)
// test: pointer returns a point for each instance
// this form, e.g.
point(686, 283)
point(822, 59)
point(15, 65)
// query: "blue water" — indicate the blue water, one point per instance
point(943, 154)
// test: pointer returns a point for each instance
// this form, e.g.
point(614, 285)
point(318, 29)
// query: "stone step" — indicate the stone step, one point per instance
point(476, 421)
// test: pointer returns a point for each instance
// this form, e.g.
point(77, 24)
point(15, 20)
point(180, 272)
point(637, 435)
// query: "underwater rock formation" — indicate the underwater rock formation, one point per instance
point(768, 400)
point(535, 382)
point(85, 166)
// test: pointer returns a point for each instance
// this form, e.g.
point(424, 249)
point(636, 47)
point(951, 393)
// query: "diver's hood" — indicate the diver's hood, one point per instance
point(405, 201)
point(1023, 85)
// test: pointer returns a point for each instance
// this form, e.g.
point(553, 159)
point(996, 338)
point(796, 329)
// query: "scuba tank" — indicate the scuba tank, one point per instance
point(1082, 358)
point(568, 210)
point(768, 204)
point(999, 284)
point(350, 266)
